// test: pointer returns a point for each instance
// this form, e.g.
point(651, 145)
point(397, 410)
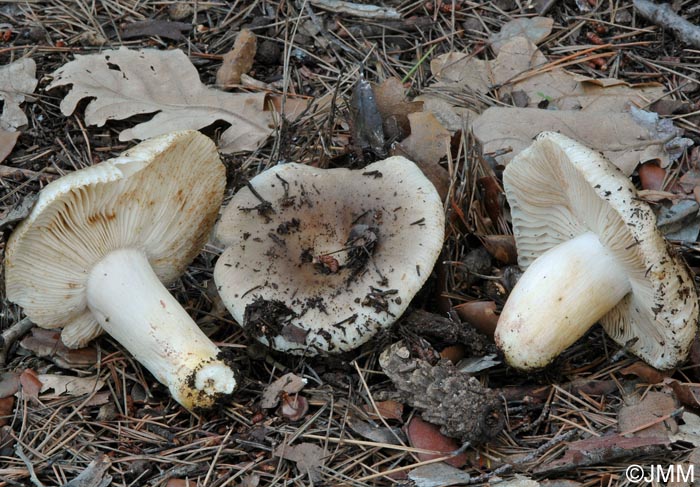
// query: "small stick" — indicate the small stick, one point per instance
point(662, 14)
point(13, 172)
point(358, 9)
point(30, 468)
point(11, 335)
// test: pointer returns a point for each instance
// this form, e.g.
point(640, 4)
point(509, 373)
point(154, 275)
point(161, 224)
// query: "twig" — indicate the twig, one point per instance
point(661, 14)
point(13, 172)
point(507, 467)
point(357, 9)
point(11, 335)
point(32, 475)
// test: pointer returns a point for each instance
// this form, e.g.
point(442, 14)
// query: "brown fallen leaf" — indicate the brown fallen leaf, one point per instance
point(288, 383)
point(392, 102)
point(48, 344)
point(238, 60)
point(645, 372)
point(429, 140)
point(162, 28)
point(31, 385)
point(428, 143)
point(453, 118)
point(94, 475)
point(518, 67)
point(17, 80)
point(386, 409)
point(617, 135)
point(535, 29)
point(7, 143)
point(441, 474)
point(687, 393)
point(127, 82)
point(426, 436)
point(72, 386)
point(376, 433)
point(642, 419)
point(308, 458)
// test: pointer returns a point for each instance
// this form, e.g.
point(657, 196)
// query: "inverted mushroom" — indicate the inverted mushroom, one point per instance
point(98, 244)
point(592, 253)
point(318, 260)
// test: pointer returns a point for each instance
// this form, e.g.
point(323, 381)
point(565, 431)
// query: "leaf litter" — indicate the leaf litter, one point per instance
point(127, 82)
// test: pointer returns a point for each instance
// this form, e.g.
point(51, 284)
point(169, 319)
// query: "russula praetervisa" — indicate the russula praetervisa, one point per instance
point(318, 260)
point(592, 253)
point(98, 245)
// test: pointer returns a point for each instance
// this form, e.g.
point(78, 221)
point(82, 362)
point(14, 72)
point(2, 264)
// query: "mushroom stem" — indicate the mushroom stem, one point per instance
point(559, 297)
point(132, 305)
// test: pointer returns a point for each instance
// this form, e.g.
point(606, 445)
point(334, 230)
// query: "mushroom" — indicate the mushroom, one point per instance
point(592, 253)
point(319, 260)
point(98, 245)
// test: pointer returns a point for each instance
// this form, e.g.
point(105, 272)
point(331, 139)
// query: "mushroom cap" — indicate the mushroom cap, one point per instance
point(559, 189)
point(161, 196)
point(318, 260)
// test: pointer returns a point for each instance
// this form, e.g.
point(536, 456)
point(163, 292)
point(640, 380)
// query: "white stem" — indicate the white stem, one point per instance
point(134, 307)
point(559, 297)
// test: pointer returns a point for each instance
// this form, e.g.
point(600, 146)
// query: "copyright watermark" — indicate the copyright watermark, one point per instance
point(660, 473)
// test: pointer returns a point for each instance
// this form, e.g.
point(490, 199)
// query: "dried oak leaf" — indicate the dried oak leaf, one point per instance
point(616, 134)
point(534, 29)
point(126, 82)
point(428, 143)
point(17, 80)
point(518, 67)
point(72, 386)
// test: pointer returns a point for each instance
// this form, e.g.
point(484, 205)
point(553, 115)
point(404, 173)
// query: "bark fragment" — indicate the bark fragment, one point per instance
point(458, 403)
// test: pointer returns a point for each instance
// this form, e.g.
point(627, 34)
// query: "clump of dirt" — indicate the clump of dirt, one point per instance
point(266, 317)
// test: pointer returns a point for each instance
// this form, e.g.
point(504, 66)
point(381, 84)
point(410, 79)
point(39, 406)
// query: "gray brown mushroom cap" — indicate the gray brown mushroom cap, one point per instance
point(559, 190)
point(318, 260)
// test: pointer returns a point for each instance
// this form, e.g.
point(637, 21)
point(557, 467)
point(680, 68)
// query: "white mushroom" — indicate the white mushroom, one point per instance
point(99, 242)
point(319, 260)
point(592, 253)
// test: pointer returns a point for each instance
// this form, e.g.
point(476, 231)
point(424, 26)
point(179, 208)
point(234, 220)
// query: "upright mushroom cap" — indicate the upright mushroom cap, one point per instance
point(319, 260)
point(98, 243)
point(562, 192)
